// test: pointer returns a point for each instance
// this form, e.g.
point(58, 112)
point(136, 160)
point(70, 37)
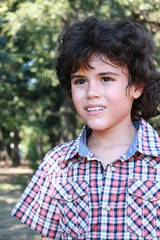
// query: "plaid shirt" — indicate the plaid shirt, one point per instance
point(71, 196)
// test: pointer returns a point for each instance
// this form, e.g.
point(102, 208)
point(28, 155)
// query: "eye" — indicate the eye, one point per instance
point(79, 81)
point(106, 79)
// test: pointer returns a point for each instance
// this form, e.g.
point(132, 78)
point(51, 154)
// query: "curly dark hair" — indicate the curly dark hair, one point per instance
point(124, 43)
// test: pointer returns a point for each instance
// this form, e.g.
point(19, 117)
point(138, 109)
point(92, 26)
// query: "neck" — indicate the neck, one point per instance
point(122, 134)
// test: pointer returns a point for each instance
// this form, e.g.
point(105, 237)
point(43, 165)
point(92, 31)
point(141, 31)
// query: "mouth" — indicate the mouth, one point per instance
point(94, 109)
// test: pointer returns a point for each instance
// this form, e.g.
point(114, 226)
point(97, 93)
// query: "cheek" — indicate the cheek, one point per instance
point(116, 95)
point(76, 98)
point(119, 98)
point(73, 94)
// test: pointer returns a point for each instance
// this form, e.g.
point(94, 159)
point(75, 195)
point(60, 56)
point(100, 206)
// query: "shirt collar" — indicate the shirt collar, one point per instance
point(146, 142)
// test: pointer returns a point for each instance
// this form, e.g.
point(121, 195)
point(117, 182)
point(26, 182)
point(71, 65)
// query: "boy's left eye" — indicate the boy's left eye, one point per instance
point(106, 79)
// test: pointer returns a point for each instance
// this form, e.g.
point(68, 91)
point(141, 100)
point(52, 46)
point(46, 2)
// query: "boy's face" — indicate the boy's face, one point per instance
point(100, 94)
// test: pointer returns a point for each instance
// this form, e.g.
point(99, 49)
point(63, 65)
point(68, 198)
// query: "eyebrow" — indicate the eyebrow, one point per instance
point(99, 74)
point(76, 76)
point(108, 73)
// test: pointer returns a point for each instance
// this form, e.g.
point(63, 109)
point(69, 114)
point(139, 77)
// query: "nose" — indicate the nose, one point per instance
point(93, 90)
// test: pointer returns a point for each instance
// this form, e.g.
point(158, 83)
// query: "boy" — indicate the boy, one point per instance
point(106, 183)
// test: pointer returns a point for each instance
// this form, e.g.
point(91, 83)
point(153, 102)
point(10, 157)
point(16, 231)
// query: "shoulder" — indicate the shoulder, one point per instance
point(148, 140)
point(150, 132)
point(58, 155)
point(147, 130)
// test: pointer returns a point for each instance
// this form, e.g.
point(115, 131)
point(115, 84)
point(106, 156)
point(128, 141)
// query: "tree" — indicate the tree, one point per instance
point(31, 42)
point(31, 98)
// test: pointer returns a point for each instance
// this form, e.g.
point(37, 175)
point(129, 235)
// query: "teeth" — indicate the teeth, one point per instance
point(95, 109)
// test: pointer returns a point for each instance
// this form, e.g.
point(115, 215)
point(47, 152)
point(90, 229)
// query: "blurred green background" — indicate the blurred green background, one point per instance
point(34, 113)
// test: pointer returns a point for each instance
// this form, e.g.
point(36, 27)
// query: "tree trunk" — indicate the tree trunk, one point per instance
point(68, 122)
point(15, 150)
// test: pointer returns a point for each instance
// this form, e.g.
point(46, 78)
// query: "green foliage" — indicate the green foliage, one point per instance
point(156, 124)
point(32, 154)
point(30, 93)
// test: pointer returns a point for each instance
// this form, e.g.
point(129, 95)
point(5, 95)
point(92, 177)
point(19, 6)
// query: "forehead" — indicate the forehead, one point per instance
point(101, 62)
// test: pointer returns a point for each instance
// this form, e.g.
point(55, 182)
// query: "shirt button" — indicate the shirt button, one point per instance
point(112, 168)
point(108, 208)
point(69, 197)
point(150, 196)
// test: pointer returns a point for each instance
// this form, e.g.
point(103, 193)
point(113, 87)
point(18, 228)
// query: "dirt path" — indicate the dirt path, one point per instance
point(12, 184)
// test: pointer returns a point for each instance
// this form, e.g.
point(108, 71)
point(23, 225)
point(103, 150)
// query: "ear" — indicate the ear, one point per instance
point(136, 91)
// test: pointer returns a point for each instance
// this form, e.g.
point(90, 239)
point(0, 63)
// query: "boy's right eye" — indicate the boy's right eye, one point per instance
point(79, 81)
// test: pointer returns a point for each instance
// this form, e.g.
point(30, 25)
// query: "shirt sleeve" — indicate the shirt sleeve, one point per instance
point(37, 207)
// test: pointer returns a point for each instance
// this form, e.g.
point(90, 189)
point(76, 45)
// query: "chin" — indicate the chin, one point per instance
point(98, 127)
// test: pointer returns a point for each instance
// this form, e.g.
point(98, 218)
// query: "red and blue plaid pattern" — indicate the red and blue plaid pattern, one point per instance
point(71, 196)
